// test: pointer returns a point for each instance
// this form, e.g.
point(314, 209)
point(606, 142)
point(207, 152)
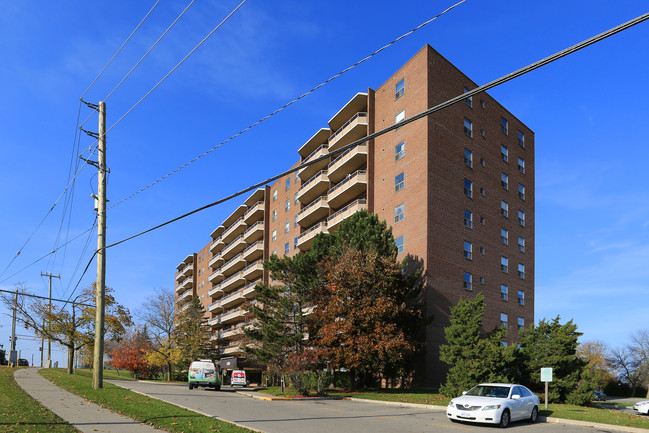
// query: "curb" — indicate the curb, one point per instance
point(267, 397)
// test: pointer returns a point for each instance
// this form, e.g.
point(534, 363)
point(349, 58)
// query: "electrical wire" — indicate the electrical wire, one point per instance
point(462, 97)
point(149, 50)
point(120, 48)
point(288, 104)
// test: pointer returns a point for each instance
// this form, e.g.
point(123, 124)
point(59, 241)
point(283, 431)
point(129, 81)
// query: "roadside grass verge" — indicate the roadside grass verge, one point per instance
point(148, 410)
point(598, 413)
point(108, 374)
point(19, 412)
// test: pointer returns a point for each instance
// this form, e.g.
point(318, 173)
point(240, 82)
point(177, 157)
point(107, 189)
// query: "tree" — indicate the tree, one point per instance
point(551, 344)
point(595, 354)
point(639, 350)
point(157, 313)
point(191, 333)
point(364, 314)
point(473, 355)
point(73, 325)
point(131, 355)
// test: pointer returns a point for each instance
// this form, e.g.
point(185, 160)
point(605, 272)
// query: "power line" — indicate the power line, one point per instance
point(176, 67)
point(120, 48)
point(287, 104)
point(418, 116)
point(149, 50)
point(44, 297)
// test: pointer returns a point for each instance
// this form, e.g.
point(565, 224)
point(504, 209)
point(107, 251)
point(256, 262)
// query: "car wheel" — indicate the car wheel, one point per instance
point(504, 419)
point(191, 386)
point(535, 414)
point(217, 388)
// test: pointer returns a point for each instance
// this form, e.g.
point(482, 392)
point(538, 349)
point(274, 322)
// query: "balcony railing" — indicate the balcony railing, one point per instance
point(315, 178)
point(334, 219)
point(215, 243)
point(347, 180)
point(254, 208)
point(322, 200)
point(342, 128)
point(313, 154)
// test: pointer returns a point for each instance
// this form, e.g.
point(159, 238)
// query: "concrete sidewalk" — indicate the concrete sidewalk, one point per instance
point(85, 416)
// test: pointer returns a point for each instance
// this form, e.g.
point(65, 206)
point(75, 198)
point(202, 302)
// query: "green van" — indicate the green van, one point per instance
point(203, 373)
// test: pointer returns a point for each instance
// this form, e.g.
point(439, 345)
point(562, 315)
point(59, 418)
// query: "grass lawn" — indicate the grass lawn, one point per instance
point(21, 413)
point(157, 413)
point(597, 413)
point(108, 374)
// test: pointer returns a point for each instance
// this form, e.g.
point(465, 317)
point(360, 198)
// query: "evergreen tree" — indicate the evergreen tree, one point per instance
point(192, 335)
point(473, 355)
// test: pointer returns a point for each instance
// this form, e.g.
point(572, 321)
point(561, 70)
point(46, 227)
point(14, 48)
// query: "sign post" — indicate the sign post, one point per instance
point(546, 376)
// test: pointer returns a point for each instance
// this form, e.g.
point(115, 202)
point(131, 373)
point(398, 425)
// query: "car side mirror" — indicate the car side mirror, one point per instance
point(515, 397)
point(464, 392)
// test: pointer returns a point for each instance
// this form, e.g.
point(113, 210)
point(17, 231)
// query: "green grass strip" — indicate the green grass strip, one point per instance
point(19, 412)
point(595, 414)
point(148, 410)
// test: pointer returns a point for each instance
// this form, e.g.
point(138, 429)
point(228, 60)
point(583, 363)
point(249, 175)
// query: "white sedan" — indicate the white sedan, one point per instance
point(642, 407)
point(494, 403)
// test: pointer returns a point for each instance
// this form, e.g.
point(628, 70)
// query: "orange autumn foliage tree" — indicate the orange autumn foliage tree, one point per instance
point(131, 355)
point(365, 315)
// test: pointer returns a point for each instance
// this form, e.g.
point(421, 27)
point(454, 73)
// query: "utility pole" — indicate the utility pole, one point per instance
point(13, 323)
point(49, 311)
point(100, 289)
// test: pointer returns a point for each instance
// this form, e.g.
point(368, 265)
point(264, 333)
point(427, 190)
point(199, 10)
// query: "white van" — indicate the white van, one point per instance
point(203, 373)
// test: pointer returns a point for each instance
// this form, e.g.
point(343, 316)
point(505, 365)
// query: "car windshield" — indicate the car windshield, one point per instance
point(489, 391)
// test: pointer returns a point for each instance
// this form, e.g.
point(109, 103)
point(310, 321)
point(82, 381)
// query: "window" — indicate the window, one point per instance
point(503, 343)
point(482, 251)
point(521, 244)
point(468, 281)
point(521, 139)
point(521, 165)
point(468, 127)
point(275, 215)
point(399, 89)
point(401, 115)
point(521, 218)
point(521, 297)
point(468, 250)
point(274, 235)
point(504, 180)
point(482, 103)
point(521, 323)
point(521, 191)
point(483, 162)
point(399, 244)
point(468, 218)
point(399, 182)
point(468, 188)
point(482, 191)
point(295, 221)
point(294, 243)
point(275, 194)
point(468, 101)
point(521, 270)
point(482, 280)
point(399, 151)
point(504, 264)
point(295, 200)
point(287, 227)
point(504, 208)
point(482, 220)
point(504, 153)
point(504, 292)
point(504, 236)
point(468, 158)
point(504, 125)
point(287, 205)
point(297, 178)
point(503, 320)
point(398, 213)
point(288, 184)
point(286, 248)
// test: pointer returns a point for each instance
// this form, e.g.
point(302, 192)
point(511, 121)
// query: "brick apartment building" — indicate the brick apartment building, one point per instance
point(457, 188)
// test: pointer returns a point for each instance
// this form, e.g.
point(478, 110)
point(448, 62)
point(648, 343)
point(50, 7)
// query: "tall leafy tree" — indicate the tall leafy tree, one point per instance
point(595, 354)
point(639, 350)
point(551, 344)
point(191, 333)
point(473, 355)
point(131, 353)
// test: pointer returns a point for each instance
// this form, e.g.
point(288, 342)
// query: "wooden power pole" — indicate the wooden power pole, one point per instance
point(49, 311)
point(100, 289)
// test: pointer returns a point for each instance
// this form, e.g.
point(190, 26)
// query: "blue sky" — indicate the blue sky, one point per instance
point(588, 112)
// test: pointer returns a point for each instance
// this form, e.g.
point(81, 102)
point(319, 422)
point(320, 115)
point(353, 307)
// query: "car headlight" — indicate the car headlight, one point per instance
point(451, 403)
point(492, 407)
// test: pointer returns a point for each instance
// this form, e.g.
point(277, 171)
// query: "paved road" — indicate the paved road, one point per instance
point(324, 416)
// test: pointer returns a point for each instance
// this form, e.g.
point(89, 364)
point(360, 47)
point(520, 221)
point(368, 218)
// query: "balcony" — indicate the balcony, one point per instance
point(254, 270)
point(314, 211)
point(308, 171)
point(237, 228)
point(232, 332)
point(348, 189)
point(215, 306)
point(235, 349)
point(233, 265)
point(232, 299)
point(348, 162)
point(185, 297)
point(314, 142)
point(216, 245)
point(314, 187)
point(352, 130)
point(234, 248)
point(217, 260)
point(233, 315)
point(232, 282)
point(215, 276)
point(214, 321)
point(255, 213)
point(216, 291)
point(254, 251)
point(305, 240)
point(186, 284)
point(254, 232)
point(344, 213)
